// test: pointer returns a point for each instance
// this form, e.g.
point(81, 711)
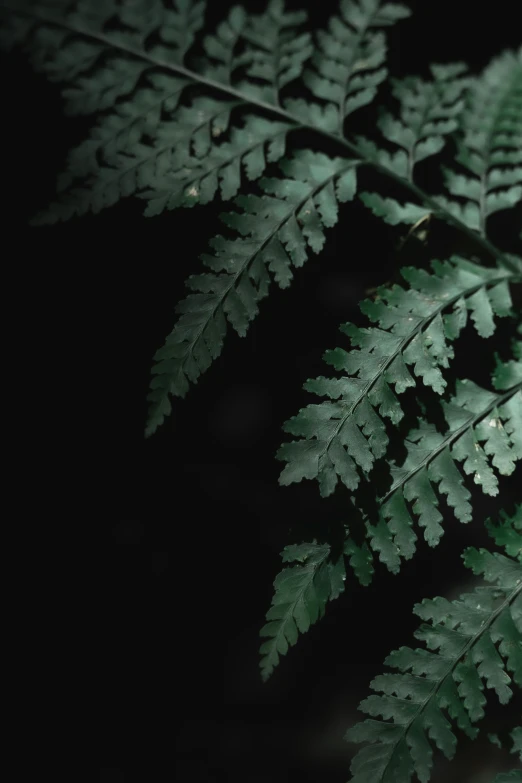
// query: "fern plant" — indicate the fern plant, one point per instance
point(185, 118)
point(450, 681)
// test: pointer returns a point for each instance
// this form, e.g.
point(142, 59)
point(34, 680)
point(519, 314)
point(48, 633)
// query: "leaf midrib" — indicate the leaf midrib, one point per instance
point(352, 148)
point(400, 349)
point(469, 644)
point(448, 441)
point(221, 298)
point(314, 567)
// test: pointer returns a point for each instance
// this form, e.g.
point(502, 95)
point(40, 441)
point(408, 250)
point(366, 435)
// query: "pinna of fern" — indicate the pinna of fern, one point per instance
point(483, 432)
point(273, 232)
point(473, 642)
point(341, 440)
point(161, 140)
point(177, 128)
point(485, 122)
point(429, 111)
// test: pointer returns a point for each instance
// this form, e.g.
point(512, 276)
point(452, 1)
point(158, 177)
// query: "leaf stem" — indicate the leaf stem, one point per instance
point(469, 644)
point(181, 70)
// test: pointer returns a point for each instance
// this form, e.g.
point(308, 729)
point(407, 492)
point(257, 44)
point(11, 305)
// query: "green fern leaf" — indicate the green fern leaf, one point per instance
point(360, 559)
point(151, 145)
point(274, 230)
point(348, 62)
point(430, 464)
point(447, 680)
point(491, 140)
point(275, 52)
point(198, 180)
point(391, 211)
point(428, 113)
point(67, 39)
point(220, 47)
point(301, 593)
point(343, 437)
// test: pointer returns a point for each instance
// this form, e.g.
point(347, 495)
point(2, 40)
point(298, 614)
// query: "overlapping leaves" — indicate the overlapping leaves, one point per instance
point(347, 66)
point(272, 234)
point(301, 593)
point(473, 643)
point(483, 433)
point(342, 438)
point(74, 41)
point(489, 145)
point(428, 111)
point(159, 140)
point(151, 144)
point(276, 51)
point(486, 122)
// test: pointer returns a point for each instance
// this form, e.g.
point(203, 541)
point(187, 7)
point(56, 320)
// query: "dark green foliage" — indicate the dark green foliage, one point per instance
point(174, 147)
point(347, 65)
point(429, 111)
point(301, 593)
point(185, 117)
point(485, 122)
point(473, 643)
point(273, 233)
point(342, 439)
point(489, 145)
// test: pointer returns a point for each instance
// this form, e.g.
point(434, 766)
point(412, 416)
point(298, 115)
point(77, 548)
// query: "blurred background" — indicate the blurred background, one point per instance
point(186, 527)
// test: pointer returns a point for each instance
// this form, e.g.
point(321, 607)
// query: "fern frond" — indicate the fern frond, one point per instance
point(473, 642)
point(71, 41)
point(487, 124)
point(360, 559)
point(342, 438)
point(428, 112)
point(348, 62)
point(301, 593)
point(151, 144)
point(272, 233)
point(275, 52)
point(490, 146)
point(219, 168)
point(473, 416)
point(220, 47)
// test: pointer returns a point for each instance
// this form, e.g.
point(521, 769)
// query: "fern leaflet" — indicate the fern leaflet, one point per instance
point(272, 233)
point(301, 593)
point(159, 140)
point(448, 679)
point(491, 140)
point(486, 122)
point(342, 439)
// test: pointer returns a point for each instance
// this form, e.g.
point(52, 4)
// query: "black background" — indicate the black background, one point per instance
point(185, 529)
